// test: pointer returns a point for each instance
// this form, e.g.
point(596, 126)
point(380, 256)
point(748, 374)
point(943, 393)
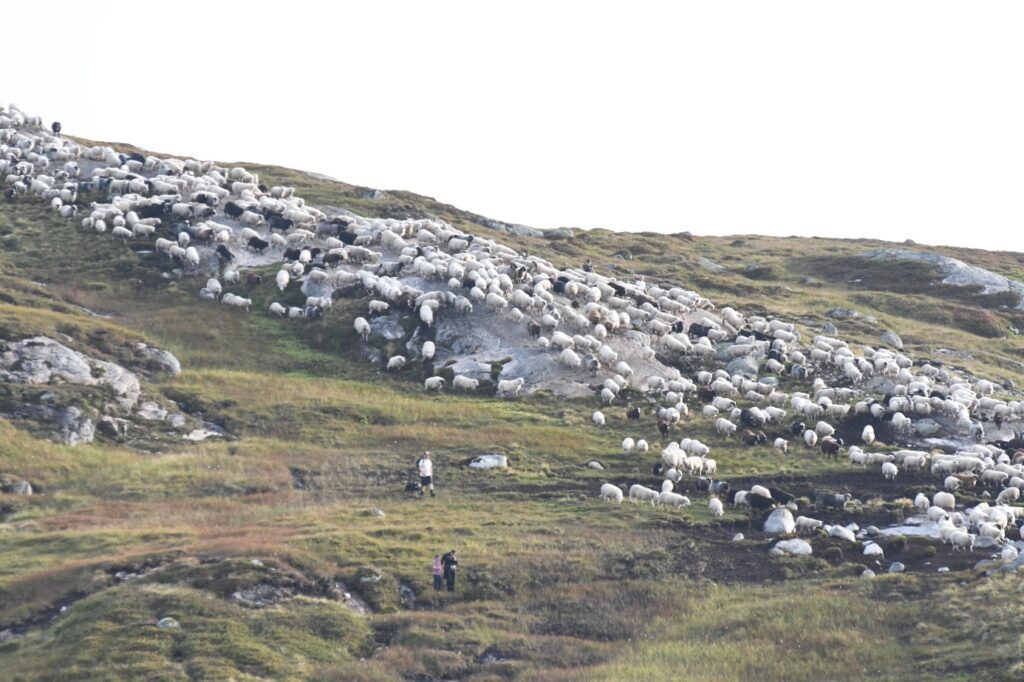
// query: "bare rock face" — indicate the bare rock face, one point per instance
point(41, 360)
point(893, 339)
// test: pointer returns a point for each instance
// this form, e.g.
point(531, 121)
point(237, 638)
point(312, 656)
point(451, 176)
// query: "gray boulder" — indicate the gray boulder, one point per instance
point(21, 488)
point(893, 339)
point(795, 547)
point(41, 360)
point(780, 522)
point(594, 464)
point(842, 314)
point(829, 329)
point(558, 233)
point(710, 265)
point(927, 428)
point(747, 366)
point(897, 567)
point(163, 359)
point(75, 428)
point(490, 461)
point(114, 426)
point(167, 624)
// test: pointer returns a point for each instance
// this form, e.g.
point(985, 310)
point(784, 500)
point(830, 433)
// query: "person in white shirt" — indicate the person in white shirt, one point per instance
point(641, 283)
point(425, 465)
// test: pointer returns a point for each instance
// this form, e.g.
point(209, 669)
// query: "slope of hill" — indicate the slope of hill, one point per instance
point(285, 548)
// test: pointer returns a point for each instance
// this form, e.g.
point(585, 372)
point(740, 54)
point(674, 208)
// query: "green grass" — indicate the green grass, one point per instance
point(556, 585)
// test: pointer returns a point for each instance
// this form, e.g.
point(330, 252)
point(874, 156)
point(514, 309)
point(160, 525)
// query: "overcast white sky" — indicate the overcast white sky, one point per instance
point(862, 119)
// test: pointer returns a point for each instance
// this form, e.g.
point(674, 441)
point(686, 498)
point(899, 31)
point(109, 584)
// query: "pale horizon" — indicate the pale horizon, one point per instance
point(875, 121)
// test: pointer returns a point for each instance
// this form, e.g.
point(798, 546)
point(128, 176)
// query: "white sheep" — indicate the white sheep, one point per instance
point(724, 427)
point(781, 444)
point(641, 446)
point(611, 493)
point(362, 328)
point(510, 388)
point(889, 471)
point(465, 383)
point(639, 493)
point(628, 444)
point(715, 507)
point(282, 279)
point(598, 418)
point(396, 362)
point(433, 384)
point(671, 499)
point(428, 350)
point(806, 524)
point(944, 500)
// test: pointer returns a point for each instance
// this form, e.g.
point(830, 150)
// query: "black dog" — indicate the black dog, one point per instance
point(413, 487)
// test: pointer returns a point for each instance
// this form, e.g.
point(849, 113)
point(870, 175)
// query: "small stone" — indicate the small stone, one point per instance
point(829, 329)
point(867, 573)
point(872, 531)
point(872, 549)
point(943, 569)
point(379, 513)
point(738, 537)
point(594, 464)
point(1009, 385)
point(257, 563)
point(166, 623)
point(896, 567)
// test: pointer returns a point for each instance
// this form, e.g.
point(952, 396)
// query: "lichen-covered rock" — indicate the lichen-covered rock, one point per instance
point(162, 359)
point(41, 360)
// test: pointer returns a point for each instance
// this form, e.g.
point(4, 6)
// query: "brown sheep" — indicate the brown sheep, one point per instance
point(831, 446)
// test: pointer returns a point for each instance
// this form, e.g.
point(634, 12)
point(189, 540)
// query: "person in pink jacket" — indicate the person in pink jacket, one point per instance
point(438, 572)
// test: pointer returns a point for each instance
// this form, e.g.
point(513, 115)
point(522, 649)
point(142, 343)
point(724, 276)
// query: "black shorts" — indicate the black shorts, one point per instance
point(425, 480)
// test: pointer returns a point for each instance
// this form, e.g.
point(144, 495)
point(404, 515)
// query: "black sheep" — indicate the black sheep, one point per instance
point(292, 254)
point(758, 501)
point(698, 330)
point(277, 221)
point(257, 244)
point(797, 428)
point(781, 496)
point(224, 253)
point(233, 210)
point(633, 412)
point(331, 259)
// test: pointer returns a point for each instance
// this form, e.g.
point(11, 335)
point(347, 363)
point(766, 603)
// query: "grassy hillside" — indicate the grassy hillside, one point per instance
point(555, 586)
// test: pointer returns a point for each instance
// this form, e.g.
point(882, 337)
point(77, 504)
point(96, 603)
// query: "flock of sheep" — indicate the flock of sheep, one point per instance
point(221, 221)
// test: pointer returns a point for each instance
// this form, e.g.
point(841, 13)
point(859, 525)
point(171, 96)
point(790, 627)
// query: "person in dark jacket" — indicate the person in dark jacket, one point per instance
point(450, 561)
point(56, 128)
point(588, 266)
